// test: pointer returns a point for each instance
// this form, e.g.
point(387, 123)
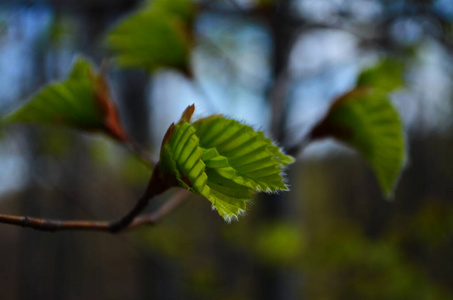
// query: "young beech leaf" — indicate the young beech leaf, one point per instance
point(252, 158)
point(157, 36)
point(184, 9)
point(223, 160)
point(366, 120)
point(387, 75)
point(81, 101)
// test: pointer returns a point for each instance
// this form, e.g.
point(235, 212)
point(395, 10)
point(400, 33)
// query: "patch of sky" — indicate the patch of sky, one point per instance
point(232, 72)
point(24, 28)
point(444, 8)
point(14, 167)
point(426, 106)
point(319, 76)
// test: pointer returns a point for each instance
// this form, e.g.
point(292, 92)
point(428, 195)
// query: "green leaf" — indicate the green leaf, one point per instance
point(69, 102)
point(366, 120)
point(223, 160)
point(387, 75)
point(81, 101)
point(253, 159)
point(184, 9)
point(157, 36)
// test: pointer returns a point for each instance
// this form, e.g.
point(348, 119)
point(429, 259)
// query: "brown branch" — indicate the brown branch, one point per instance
point(88, 225)
point(53, 225)
point(161, 212)
point(156, 186)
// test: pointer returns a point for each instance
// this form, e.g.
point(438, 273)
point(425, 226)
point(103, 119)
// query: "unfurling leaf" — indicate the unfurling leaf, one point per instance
point(223, 160)
point(81, 101)
point(157, 36)
point(366, 120)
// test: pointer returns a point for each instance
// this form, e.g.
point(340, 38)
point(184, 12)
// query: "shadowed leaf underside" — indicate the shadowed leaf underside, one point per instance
point(69, 102)
point(81, 101)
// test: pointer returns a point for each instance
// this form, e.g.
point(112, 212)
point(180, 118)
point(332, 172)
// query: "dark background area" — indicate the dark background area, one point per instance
point(333, 236)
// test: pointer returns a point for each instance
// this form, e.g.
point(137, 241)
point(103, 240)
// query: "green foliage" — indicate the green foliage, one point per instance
point(369, 264)
point(223, 160)
point(81, 101)
point(387, 75)
point(62, 28)
point(279, 243)
point(157, 36)
point(365, 119)
point(69, 102)
point(183, 9)
point(239, 153)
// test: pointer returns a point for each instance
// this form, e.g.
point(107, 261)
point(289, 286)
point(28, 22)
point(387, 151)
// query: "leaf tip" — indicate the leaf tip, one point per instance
point(187, 114)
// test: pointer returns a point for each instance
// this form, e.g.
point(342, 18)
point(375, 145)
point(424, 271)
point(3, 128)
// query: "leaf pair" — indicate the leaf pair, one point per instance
point(81, 101)
point(223, 160)
point(365, 119)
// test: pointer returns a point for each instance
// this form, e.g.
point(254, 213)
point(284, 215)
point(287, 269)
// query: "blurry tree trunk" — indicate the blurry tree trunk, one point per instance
point(34, 255)
point(134, 104)
point(49, 264)
point(133, 91)
point(275, 282)
point(131, 87)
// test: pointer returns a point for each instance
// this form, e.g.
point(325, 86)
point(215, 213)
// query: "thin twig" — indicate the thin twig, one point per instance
point(156, 186)
point(88, 225)
point(161, 212)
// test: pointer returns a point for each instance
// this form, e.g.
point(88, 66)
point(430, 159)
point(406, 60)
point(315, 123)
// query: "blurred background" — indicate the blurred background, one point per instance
point(277, 66)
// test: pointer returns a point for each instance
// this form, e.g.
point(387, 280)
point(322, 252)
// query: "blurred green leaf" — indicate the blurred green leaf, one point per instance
point(183, 9)
point(157, 36)
point(62, 29)
point(69, 102)
point(387, 75)
point(366, 120)
point(223, 160)
point(279, 243)
point(81, 101)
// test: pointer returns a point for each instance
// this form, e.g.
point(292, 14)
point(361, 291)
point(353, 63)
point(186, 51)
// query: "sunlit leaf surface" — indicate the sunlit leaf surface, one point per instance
point(223, 160)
